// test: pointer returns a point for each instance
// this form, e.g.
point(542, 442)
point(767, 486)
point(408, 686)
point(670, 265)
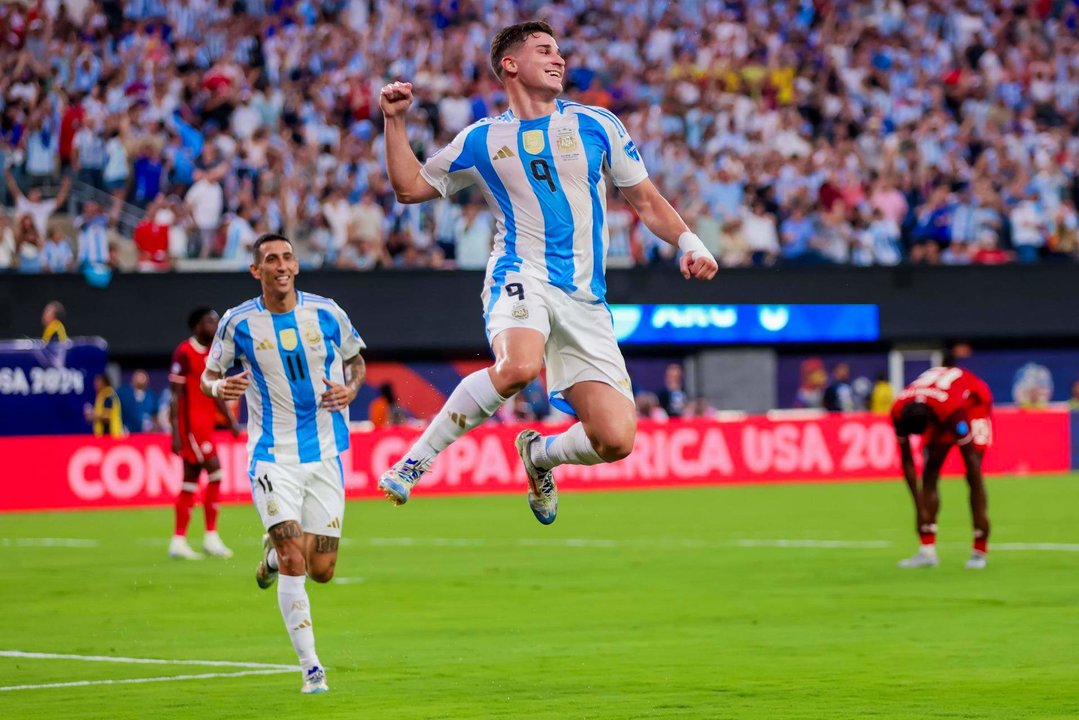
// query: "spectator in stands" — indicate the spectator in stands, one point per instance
point(386, 410)
point(152, 237)
point(104, 415)
point(1029, 228)
point(813, 382)
point(56, 255)
point(474, 232)
point(8, 256)
point(759, 232)
point(93, 234)
point(648, 407)
point(32, 204)
point(882, 396)
point(672, 397)
point(206, 202)
point(28, 245)
point(52, 322)
point(838, 396)
point(138, 404)
point(830, 108)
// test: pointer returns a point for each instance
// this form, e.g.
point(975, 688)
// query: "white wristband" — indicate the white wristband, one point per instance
point(215, 387)
point(690, 243)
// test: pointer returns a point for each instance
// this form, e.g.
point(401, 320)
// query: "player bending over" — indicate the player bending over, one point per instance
point(302, 368)
point(947, 406)
point(193, 416)
point(543, 167)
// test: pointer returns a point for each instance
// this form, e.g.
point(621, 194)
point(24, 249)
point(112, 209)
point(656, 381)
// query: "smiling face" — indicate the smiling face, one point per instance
point(536, 64)
point(276, 267)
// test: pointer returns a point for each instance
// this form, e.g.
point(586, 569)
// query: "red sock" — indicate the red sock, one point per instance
point(981, 545)
point(184, 501)
point(209, 504)
point(928, 538)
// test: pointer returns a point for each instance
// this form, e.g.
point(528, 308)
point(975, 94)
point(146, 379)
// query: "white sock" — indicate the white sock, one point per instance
point(271, 559)
point(571, 447)
point(296, 610)
point(472, 401)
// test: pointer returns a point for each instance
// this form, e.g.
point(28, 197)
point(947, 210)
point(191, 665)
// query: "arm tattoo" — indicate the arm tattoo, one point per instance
point(286, 531)
point(357, 369)
point(324, 544)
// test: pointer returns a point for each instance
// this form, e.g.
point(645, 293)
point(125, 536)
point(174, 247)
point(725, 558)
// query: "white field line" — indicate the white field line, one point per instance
point(255, 669)
point(49, 542)
point(1026, 547)
point(816, 544)
point(658, 543)
point(129, 681)
point(349, 580)
point(144, 661)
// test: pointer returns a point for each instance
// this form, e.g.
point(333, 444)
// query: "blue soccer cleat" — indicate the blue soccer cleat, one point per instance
point(398, 481)
point(542, 491)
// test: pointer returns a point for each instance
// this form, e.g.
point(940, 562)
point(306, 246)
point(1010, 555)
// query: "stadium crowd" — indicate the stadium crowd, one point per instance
point(806, 132)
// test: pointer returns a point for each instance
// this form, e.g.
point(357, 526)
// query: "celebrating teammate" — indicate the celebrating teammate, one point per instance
point(543, 167)
point(193, 416)
point(947, 406)
point(302, 368)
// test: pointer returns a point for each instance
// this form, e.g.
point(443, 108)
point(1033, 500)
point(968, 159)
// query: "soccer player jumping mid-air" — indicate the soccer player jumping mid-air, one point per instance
point(543, 167)
point(947, 406)
point(193, 417)
point(302, 368)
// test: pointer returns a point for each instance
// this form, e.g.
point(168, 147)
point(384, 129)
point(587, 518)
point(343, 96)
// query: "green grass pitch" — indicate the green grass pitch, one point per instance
point(655, 604)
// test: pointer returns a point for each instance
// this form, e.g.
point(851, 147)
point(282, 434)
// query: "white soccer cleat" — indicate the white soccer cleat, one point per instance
point(542, 491)
point(925, 557)
point(397, 482)
point(180, 550)
point(214, 547)
point(314, 681)
point(265, 575)
point(977, 561)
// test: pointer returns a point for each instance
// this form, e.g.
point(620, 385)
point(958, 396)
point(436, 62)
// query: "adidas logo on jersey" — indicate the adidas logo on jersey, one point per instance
point(264, 345)
point(505, 152)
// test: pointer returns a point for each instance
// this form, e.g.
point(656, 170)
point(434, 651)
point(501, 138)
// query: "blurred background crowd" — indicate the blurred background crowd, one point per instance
point(166, 134)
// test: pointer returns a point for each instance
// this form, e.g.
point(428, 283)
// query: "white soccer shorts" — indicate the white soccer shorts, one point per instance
point(311, 493)
point(580, 335)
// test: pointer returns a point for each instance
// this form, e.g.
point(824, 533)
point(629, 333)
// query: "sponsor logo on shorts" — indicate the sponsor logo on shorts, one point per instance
point(520, 311)
point(272, 507)
point(335, 523)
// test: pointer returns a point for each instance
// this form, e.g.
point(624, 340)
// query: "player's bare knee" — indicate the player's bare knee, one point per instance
point(322, 573)
point(514, 375)
point(614, 445)
point(290, 561)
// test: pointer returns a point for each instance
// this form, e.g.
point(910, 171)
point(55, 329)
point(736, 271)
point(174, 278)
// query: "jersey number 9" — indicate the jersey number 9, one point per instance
point(542, 172)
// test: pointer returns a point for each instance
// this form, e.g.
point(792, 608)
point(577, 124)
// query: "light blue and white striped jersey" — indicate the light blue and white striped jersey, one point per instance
point(287, 356)
point(545, 181)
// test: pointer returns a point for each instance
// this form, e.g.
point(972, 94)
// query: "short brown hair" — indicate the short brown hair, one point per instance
point(511, 37)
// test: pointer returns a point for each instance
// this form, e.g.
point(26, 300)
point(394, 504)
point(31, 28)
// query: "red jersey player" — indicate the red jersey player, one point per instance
point(193, 417)
point(947, 406)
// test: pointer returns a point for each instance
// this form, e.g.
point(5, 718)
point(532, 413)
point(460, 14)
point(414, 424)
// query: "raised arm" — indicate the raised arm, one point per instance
point(663, 220)
point(402, 165)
